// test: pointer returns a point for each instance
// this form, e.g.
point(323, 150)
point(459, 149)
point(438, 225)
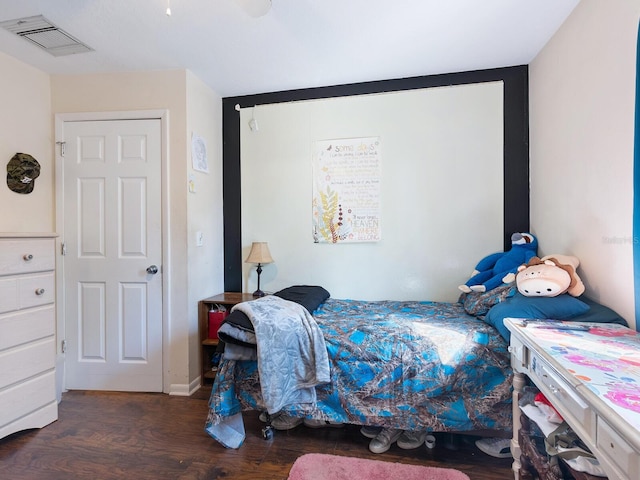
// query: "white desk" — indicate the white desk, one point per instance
point(592, 378)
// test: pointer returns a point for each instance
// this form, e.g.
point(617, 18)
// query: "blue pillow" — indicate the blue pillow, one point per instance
point(599, 313)
point(561, 307)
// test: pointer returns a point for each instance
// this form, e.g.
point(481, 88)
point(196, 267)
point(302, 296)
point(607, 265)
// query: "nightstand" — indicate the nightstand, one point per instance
point(208, 346)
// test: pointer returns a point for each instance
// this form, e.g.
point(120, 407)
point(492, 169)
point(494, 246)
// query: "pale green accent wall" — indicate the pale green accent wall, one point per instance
point(441, 201)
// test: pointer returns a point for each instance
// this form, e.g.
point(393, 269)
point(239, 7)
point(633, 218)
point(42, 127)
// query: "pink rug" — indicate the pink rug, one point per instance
point(318, 466)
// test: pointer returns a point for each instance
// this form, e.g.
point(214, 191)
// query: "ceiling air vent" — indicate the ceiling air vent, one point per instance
point(41, 32)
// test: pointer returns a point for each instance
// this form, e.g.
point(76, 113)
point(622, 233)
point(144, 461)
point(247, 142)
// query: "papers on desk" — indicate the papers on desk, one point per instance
point(536, 415)
point(555, 324)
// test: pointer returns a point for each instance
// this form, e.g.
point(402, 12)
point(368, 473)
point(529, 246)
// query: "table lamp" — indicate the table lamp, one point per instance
point(259, 254)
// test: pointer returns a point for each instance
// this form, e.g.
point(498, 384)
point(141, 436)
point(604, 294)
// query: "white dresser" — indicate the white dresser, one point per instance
point(27, 332)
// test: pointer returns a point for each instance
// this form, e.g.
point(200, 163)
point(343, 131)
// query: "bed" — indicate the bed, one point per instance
point(413, 365)
point(410, 365)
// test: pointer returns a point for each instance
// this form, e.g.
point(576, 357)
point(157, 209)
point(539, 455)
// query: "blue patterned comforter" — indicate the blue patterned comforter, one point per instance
point(409, 365)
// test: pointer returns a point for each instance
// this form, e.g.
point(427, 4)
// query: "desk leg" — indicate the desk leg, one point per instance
point(518, 386)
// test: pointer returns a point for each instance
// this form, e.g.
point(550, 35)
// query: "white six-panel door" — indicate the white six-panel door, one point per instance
point(112, 235)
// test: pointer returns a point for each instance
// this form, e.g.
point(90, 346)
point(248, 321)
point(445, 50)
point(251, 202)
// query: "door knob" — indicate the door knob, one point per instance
point(152, 269)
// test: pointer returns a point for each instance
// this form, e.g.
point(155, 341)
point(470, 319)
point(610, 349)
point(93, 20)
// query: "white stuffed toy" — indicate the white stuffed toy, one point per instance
point(550, 276)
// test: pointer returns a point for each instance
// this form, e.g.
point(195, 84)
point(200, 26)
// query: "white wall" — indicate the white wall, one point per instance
point(441, 198)
point(152, 91)
point(205, 264)
point(29, 100)
point(582, 97)
point(26, 126)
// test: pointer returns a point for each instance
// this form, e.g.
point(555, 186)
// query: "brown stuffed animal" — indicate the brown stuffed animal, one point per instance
point(550, 276)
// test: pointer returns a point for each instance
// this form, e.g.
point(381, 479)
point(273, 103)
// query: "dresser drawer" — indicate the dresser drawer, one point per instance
point(518, 354)
point(26, 255)
point(8, 294)
point(617, 449)
point(26, 291)
point(36, 289)
point(24, 398)
point(26, 361)
point(26, 326)
point(558, 391)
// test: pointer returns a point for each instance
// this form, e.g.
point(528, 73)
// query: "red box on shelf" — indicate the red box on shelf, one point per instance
point(216, 317)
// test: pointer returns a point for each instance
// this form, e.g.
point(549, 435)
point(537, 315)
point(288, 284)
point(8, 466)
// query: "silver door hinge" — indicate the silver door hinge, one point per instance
point(63, 346)
point(62, 147)
point(63, 249)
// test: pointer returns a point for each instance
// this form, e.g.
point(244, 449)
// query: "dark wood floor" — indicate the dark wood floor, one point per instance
point(101, 436)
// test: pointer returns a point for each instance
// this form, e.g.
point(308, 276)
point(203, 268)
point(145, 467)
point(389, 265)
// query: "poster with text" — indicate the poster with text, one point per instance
point(346, 190)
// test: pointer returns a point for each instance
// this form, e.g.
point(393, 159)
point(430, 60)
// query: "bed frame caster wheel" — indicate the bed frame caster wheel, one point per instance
point(267, 432)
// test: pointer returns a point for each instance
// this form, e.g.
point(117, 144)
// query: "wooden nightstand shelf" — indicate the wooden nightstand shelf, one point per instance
point(209, 345)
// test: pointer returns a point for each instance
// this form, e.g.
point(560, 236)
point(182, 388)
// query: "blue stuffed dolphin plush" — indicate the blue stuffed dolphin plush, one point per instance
point(501, 267)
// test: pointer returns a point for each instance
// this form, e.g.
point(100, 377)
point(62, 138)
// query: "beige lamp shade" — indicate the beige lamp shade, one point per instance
point(259, 253)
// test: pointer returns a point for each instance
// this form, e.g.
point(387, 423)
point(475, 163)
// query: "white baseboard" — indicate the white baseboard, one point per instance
point(185, 390)
point(59, 377)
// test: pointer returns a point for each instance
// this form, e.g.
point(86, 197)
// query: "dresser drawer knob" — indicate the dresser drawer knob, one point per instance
point(27, 257)
point(40, 291)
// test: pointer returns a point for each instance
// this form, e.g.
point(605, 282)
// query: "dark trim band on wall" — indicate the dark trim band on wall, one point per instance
point(516, 147)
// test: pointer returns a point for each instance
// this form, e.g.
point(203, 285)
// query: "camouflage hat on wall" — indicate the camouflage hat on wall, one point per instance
point(22, 170)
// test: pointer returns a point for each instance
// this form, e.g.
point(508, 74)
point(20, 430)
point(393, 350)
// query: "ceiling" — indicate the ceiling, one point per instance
point(296, 44)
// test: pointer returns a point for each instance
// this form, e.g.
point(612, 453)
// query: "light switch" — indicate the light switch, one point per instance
point(199, 239)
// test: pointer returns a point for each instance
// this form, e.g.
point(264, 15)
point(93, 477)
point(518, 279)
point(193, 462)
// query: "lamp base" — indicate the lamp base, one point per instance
point(259, 293)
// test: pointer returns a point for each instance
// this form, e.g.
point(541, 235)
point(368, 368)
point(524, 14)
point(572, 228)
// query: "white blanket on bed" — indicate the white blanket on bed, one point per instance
point(292, 355)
